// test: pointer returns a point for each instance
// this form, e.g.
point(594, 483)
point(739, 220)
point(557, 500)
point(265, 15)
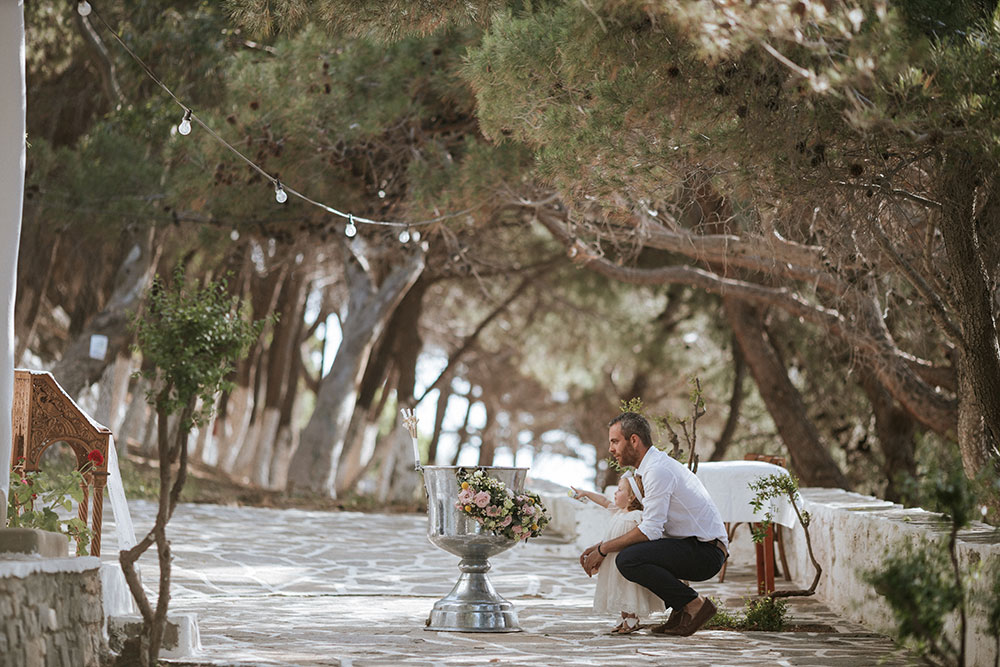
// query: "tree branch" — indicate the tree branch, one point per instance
point(892, 368)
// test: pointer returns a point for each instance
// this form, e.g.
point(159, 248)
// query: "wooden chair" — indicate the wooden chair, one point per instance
point(43, 414)
point(776, 528)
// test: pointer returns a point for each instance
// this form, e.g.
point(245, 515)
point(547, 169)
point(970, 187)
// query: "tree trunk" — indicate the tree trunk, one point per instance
point(284, 346)
point(369, 309)
point(80, 367)
point(735, 402)
point(396, 355)
point(444, 396)
point(237, 442)
point(286, 440)
point(463, 432)
point(972, 286)
point(895, 430)
point(37, 294)
point(136, 416)
point(404, 481)
point(809, 458)
point(488, 434)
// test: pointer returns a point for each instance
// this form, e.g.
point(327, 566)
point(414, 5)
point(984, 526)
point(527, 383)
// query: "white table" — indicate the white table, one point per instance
point(728, 482)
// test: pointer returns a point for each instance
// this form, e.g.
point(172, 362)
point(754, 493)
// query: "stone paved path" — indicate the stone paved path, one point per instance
point(291, 587)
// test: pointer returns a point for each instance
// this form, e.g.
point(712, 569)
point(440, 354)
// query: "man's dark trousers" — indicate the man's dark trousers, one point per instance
point(660, 565)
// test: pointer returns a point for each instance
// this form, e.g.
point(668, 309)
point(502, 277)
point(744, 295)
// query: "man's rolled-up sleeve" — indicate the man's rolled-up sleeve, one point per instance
point(656, 504)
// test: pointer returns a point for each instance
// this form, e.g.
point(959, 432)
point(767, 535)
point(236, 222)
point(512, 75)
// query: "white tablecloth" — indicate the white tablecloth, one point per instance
point(728, 484)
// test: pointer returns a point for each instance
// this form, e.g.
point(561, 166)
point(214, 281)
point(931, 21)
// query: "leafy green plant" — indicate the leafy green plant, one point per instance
point(35, 496)
point(919, 589)
point(765, 614)
point(724, 618)
point(767, 489)
point(924, 583)
point(189, 339)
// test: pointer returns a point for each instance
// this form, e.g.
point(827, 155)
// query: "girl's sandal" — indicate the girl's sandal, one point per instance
point(627, 628)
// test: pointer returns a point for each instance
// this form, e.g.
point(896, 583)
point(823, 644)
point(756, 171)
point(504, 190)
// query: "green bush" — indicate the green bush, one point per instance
point(766, 614)
point(35, 496)
point(923, 583)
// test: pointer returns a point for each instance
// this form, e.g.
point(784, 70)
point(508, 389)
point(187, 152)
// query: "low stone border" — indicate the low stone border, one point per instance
point(852, 533)
point(50, 612)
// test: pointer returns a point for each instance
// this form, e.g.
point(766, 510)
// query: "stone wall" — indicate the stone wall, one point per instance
point(852, 533)
point(50, 612)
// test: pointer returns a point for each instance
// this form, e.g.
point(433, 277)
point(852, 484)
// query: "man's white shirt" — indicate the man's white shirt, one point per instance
point(675, 502)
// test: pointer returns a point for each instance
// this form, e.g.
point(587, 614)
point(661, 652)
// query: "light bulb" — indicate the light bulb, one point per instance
point(280, 195)
point(185, 126)
point(404, 236)
point(415, 236)
point(351, 230)
point(83, 8)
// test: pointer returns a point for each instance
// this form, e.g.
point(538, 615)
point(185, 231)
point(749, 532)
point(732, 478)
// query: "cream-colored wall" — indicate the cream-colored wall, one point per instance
point(852, 533)
point(12, 108)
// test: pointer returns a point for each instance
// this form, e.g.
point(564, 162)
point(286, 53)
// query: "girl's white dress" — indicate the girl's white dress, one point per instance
point(614, 592)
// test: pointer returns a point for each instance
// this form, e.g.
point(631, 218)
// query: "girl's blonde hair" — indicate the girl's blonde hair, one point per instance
point(634, 503)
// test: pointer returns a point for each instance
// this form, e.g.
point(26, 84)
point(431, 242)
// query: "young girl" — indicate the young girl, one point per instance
point(614, 592)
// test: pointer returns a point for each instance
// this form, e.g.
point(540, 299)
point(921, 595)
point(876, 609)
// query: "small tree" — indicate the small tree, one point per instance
point(189, 340)
point(775, 486)
point(689, 426)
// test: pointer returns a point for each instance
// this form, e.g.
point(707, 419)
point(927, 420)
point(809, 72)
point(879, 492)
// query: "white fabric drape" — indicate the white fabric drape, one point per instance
point(12, 147)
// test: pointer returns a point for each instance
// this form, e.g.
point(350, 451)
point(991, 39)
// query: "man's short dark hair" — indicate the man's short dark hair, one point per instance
point(632, 423)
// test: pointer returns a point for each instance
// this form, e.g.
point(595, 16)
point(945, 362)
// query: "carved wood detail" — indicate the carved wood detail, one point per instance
point(43, 414)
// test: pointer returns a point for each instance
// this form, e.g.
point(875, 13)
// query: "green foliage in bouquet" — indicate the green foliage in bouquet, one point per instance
point(519, 516)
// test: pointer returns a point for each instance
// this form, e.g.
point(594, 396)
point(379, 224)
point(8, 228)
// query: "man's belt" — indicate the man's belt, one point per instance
point(721, 546)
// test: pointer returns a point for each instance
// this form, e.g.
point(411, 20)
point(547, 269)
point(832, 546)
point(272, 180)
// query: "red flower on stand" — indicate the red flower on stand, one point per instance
point(96, 457)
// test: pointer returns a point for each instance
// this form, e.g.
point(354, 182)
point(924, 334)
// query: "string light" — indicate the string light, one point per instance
point(185, 126)
point(404, 236)
point(281, 190)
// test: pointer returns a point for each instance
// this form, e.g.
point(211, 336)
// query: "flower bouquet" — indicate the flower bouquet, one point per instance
point(518, 516)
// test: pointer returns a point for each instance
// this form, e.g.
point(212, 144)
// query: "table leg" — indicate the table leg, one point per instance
point(769, 560)
point(765, 561)
point(759, 552)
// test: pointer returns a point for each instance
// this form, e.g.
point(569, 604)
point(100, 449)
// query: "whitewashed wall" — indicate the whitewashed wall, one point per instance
point(852, 533)
point(12, 108)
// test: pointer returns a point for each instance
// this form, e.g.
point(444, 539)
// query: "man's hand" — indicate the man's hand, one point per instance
point(591, 559)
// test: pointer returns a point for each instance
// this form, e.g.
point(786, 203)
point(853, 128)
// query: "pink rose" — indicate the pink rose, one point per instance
point(482, 499)
point(517, 530)
point(528, 510)
point(506, 521)
point(492, 510)
point(465, 495)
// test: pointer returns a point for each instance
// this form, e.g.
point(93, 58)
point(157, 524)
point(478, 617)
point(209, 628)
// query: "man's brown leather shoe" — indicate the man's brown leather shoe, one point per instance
point(672, 622)
point(693, 624)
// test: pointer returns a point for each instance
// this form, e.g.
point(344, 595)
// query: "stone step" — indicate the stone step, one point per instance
point(180, 637)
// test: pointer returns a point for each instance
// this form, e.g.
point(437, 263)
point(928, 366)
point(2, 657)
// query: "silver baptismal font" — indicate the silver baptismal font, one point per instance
point(473, 605)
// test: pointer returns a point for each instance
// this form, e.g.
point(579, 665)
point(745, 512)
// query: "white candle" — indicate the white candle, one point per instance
point(410, 422)
point(416, 452)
